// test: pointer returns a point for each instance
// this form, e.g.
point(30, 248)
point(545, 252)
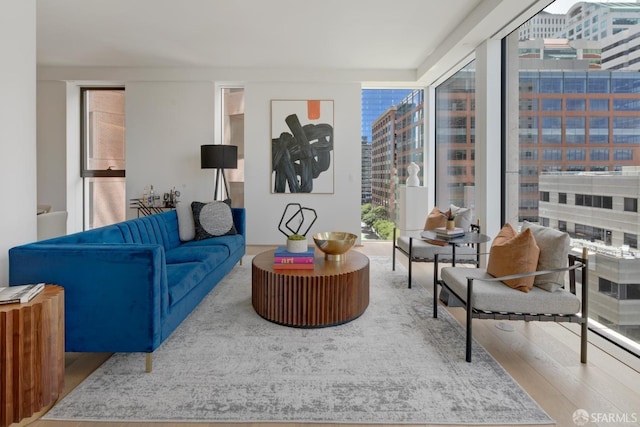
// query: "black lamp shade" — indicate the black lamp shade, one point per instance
point(218, 156)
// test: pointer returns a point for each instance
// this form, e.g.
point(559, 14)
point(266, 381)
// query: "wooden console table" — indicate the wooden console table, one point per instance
point(31, 355)
point(334, 292)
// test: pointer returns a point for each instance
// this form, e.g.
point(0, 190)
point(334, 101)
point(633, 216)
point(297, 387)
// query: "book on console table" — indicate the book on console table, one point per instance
point(22, 293)
point(448, 234)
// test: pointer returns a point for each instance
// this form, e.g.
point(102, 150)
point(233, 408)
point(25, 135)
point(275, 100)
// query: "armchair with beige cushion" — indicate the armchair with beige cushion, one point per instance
point(417, 249)
point(524, 280)
point(52, 224)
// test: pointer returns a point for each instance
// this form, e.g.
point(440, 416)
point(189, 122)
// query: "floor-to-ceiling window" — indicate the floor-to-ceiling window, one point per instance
point(573, 124)
point(455, 139)
point(392, 138)
point(103, 156)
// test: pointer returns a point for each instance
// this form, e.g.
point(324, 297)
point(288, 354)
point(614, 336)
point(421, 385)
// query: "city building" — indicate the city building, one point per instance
point(597, 21)
point(382, 159)
point(600, 211)
point(575, 121)
point(544, 25)
point(409, 134)
point(366, 171)
point(455, 134)
point(622, 51)
point(560, 54)
point(398, 141)
point(375, 102)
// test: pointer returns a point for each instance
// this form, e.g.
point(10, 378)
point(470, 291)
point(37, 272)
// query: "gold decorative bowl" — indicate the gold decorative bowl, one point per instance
point(334, 244)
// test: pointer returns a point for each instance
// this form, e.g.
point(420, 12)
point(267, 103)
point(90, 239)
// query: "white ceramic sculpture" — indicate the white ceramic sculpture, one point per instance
point(413, 180)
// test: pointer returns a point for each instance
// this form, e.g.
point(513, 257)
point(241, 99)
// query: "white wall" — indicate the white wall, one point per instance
point(167, 121)
point(17, 126)
point(52, 144)
point(336, 212)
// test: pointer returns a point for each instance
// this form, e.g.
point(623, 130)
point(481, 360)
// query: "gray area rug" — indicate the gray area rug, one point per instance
point(394, 364)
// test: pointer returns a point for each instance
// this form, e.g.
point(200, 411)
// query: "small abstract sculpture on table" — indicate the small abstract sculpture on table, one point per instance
point(413, 180)
point(296, 212)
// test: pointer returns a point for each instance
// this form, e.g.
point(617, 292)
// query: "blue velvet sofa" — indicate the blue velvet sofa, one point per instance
point(128, 285)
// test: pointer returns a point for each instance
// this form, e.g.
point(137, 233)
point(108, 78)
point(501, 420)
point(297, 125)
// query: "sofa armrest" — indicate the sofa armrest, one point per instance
point(115, 294)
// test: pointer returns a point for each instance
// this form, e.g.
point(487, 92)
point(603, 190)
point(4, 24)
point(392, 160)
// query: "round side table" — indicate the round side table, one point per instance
point(31, 354)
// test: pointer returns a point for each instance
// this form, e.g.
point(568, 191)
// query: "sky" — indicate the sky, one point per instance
point(562, 6)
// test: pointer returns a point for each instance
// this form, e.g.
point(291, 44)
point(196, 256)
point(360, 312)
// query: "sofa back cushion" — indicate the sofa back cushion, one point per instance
point(106, 234)
point(160, 229)
point(213, 219)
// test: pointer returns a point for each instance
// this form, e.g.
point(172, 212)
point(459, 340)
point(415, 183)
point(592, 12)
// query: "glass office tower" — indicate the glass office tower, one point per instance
point(375, 102)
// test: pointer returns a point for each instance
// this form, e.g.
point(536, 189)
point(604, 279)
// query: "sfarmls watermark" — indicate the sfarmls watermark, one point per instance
point(582, 417)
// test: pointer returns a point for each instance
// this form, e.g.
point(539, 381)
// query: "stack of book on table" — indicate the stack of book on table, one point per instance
point(285, 260)
point(22, 293)
point(449, 234)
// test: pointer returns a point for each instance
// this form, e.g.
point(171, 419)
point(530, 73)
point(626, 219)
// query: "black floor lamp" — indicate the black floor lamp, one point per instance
point(219, 157)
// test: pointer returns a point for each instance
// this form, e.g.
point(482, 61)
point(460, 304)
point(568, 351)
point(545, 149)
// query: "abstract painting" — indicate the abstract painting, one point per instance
point(302, 146)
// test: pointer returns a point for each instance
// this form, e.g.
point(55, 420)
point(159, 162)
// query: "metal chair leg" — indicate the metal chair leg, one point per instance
point(469, 319)
point(393, 249)
point(410, 259)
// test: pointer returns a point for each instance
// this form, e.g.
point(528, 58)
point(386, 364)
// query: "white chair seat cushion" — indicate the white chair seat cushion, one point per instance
point(498, 297)
point(424, 249)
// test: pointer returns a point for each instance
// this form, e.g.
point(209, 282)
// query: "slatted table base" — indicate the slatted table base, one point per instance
point(331, 294)
point(31, 355)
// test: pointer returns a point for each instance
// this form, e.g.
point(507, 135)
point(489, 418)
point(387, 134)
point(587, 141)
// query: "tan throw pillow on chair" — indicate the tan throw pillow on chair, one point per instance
point(513, 253)
point(435, 219)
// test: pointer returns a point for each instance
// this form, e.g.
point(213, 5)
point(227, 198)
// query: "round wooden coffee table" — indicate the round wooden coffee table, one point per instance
point(334, 292)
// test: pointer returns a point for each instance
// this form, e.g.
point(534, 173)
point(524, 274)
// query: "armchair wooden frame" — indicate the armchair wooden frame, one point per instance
point(575, 262)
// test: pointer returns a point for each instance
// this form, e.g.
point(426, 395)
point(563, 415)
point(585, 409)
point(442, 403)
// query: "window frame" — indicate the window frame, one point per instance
point(85, 172)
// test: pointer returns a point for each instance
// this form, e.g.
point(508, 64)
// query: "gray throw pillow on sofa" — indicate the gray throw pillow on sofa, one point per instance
point(186, 226)
point(554, 249)
point(212, 219)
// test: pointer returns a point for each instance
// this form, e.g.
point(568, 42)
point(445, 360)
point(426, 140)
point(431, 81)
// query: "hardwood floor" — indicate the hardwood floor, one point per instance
point(542, 357)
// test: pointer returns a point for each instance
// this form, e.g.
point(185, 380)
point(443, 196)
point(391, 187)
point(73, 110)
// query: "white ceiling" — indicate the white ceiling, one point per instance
point(295, 34)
